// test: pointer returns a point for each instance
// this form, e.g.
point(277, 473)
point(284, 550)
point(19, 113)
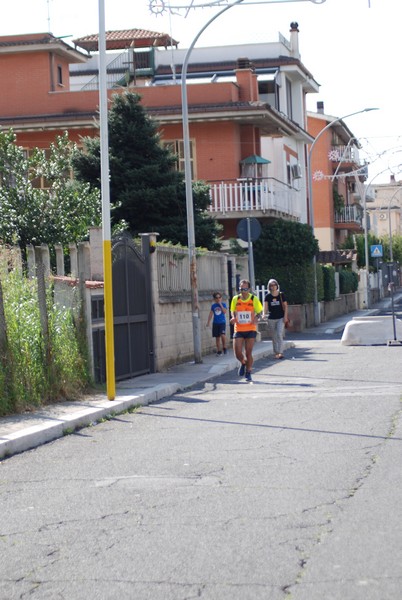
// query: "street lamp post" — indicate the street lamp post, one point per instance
point(366, 250)
point(188, 174)
point(105, 194)
point(390, 270)
point(195, 309)
point(311, 204)
point(391, 256)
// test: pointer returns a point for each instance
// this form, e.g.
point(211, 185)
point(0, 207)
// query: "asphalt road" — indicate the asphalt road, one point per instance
point(287, 488)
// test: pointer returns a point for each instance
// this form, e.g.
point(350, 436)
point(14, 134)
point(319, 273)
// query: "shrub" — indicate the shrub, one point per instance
point(348, 281)
point(329, 282)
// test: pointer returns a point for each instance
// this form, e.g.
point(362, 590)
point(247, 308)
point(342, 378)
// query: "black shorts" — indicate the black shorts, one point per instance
point(246, 335)
point(218, 329)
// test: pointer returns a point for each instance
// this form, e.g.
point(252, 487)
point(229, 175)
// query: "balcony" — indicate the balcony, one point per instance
point(267, 197)
point(350, 217)
point(347, 154)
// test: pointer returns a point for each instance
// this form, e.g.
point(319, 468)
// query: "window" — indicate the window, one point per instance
point(268, 89)
point(59, 75)
point(288, 173)
point(177, 148)
point(289, 99)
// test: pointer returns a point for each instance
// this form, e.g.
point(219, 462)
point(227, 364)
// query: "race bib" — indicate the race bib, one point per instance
point(244, 317)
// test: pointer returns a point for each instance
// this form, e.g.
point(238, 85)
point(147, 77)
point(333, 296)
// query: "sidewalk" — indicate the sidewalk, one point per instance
point(29, 430)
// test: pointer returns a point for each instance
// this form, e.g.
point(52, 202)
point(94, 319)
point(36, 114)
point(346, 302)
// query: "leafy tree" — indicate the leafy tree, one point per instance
point(62, 213)
point(396, 248)
point(146, 191)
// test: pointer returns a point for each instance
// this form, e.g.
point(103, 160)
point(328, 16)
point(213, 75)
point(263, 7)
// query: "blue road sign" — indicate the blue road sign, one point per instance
point(376, 251)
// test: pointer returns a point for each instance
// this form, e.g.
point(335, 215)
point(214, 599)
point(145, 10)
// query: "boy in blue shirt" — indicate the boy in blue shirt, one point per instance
point(218, 313)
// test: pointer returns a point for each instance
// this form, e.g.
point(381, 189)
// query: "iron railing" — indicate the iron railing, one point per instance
point(349, 214)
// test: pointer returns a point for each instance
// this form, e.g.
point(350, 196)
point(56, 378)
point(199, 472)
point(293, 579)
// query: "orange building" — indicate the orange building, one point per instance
point(338, 176)
point(248, 124)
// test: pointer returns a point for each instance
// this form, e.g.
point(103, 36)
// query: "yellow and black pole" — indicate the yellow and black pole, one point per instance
point(105, 193)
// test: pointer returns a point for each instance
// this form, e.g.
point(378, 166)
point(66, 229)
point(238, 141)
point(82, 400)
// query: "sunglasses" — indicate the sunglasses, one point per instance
point(244, 289)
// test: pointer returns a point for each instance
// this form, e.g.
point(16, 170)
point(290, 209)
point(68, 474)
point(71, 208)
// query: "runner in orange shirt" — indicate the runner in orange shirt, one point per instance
point(245, 310)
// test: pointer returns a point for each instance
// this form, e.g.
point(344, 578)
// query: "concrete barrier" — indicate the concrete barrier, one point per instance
point(370, 331)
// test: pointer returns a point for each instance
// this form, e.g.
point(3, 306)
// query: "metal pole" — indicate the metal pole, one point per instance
point(251, 275)
point(311, 204)
point(366, 252)
point(195, 308)
point(391, 256)
point(105, 192)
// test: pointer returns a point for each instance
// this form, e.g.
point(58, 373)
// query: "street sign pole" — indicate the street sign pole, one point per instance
point(251, 275)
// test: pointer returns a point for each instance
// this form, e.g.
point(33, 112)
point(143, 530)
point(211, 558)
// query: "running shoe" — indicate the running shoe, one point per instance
point(242, 370)
point(248, 376)
point(225, 351)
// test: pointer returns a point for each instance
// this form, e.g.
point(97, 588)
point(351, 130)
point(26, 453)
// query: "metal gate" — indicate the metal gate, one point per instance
point(132, 311)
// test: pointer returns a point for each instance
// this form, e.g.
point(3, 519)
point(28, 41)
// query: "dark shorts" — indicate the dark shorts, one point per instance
point(246, 335)
point(218, 329)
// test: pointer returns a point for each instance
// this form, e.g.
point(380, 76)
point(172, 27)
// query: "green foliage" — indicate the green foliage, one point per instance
point(329, 282)
point(285, 251)
point(146, 191)
point(348, 281)
point(30, 215)
point(26, 379)
point(358, 242)
point(339, 200)
point(284, 243)
point(235, 248)
point(396, 248)
point(297, 281)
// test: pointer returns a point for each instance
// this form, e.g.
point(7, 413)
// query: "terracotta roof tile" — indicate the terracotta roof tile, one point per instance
point(119, 40)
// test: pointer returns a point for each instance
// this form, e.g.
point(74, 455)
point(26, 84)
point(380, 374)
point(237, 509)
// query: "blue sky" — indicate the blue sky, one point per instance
point(352, 48)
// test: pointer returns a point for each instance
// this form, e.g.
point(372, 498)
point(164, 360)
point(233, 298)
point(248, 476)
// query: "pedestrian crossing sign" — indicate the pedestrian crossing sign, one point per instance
point(376, 251)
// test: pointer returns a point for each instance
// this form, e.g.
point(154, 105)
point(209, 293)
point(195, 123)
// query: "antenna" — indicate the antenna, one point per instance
point(48, 16)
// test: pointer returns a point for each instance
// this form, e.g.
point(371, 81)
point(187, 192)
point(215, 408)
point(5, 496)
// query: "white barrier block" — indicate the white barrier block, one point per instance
point(369, 331)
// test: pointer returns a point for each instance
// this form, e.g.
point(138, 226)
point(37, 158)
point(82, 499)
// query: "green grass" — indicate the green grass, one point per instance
point(33, 373)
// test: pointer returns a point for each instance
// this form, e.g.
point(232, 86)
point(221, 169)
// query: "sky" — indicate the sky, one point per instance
point(351, 47)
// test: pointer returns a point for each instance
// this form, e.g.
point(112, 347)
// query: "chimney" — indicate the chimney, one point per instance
point(320, 107)
point(246, 79)
point(294, 39)
point(245, 63)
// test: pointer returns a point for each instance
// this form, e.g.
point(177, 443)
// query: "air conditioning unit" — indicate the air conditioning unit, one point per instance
point(296, 171)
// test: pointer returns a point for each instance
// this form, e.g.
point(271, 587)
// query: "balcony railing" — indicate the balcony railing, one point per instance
point(344, 154)
point(124, 68)
point(262, 195)
point(349, 214)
